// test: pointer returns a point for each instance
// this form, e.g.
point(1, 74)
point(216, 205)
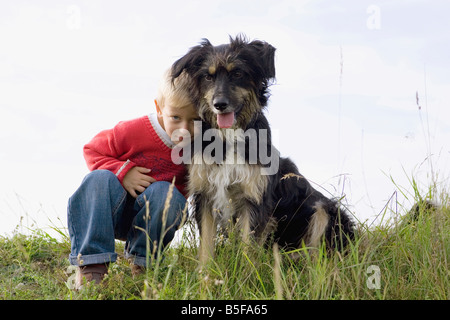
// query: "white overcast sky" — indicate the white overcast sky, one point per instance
point(344, 105)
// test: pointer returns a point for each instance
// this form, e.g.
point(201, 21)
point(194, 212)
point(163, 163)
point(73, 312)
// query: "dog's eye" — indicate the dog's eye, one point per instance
point(208, 77)
point(237, 74)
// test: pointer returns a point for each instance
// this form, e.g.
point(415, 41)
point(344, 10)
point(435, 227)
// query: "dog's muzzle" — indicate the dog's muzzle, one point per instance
point(221, 103)
point(224, 119)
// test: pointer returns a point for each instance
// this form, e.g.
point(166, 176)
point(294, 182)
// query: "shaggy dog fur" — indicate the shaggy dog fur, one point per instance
point(233, 182)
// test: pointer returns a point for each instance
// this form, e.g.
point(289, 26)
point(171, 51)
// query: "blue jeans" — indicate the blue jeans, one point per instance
point(101, 211)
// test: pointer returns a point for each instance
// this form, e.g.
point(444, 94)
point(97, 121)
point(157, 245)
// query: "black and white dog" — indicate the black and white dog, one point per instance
point(236, 175)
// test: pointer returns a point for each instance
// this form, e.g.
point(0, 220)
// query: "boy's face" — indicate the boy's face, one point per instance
point(172, 118)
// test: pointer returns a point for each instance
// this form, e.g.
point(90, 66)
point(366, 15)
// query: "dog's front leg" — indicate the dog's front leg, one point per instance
point(208, 229)
point(244, 226)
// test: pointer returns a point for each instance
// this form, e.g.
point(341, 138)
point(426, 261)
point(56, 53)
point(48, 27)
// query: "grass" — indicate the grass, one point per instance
point(392, 260)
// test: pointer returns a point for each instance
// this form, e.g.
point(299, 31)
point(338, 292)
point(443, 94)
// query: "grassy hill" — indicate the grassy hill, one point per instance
point(403, 260)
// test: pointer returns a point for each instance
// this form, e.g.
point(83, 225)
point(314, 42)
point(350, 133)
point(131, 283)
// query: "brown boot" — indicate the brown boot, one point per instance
point(91, 272)
point(136, 270)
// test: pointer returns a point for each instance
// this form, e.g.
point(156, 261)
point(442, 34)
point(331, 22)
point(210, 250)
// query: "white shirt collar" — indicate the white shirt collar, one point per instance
point(153, 117)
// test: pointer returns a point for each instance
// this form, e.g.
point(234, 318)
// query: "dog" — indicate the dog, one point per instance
point(236, 181)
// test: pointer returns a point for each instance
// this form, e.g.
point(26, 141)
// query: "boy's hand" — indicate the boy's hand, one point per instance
point(136, 180)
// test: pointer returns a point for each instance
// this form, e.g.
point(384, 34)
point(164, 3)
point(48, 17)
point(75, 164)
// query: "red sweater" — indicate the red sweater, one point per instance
point(134, 143)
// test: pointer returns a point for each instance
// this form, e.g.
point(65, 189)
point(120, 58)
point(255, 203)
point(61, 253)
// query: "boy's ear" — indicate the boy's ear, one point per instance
point(158, 109)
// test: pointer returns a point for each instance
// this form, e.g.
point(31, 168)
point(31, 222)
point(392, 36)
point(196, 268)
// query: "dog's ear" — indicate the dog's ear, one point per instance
point(267, 52)
point(192, 60)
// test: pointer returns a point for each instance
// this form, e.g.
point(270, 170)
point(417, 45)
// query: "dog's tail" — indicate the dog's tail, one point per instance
point(317, 226)
point(329, 222)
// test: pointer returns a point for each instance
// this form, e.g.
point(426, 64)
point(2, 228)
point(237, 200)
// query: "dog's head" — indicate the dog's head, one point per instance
point(230, 81)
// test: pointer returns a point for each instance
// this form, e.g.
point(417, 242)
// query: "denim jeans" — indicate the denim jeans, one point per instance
point(101, 211)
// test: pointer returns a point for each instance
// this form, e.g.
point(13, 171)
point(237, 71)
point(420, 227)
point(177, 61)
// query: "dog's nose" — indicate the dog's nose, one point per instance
point(220, 103)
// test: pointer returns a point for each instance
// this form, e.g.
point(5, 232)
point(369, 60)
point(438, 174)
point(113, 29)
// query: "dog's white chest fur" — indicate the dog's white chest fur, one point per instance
point(227, 188)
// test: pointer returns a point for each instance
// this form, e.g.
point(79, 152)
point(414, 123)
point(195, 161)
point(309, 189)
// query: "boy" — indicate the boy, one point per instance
point(131, 163)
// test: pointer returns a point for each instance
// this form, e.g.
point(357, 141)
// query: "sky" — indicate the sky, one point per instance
point(360, 101)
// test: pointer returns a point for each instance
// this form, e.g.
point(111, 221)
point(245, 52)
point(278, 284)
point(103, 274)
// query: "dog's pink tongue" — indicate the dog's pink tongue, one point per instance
point(225, 120)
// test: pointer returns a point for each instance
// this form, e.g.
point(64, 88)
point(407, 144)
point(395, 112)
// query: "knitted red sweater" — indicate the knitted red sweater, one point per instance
point(134, 143)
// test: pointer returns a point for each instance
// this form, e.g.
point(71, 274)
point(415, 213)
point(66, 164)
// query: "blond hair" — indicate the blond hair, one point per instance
point(176, 91)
